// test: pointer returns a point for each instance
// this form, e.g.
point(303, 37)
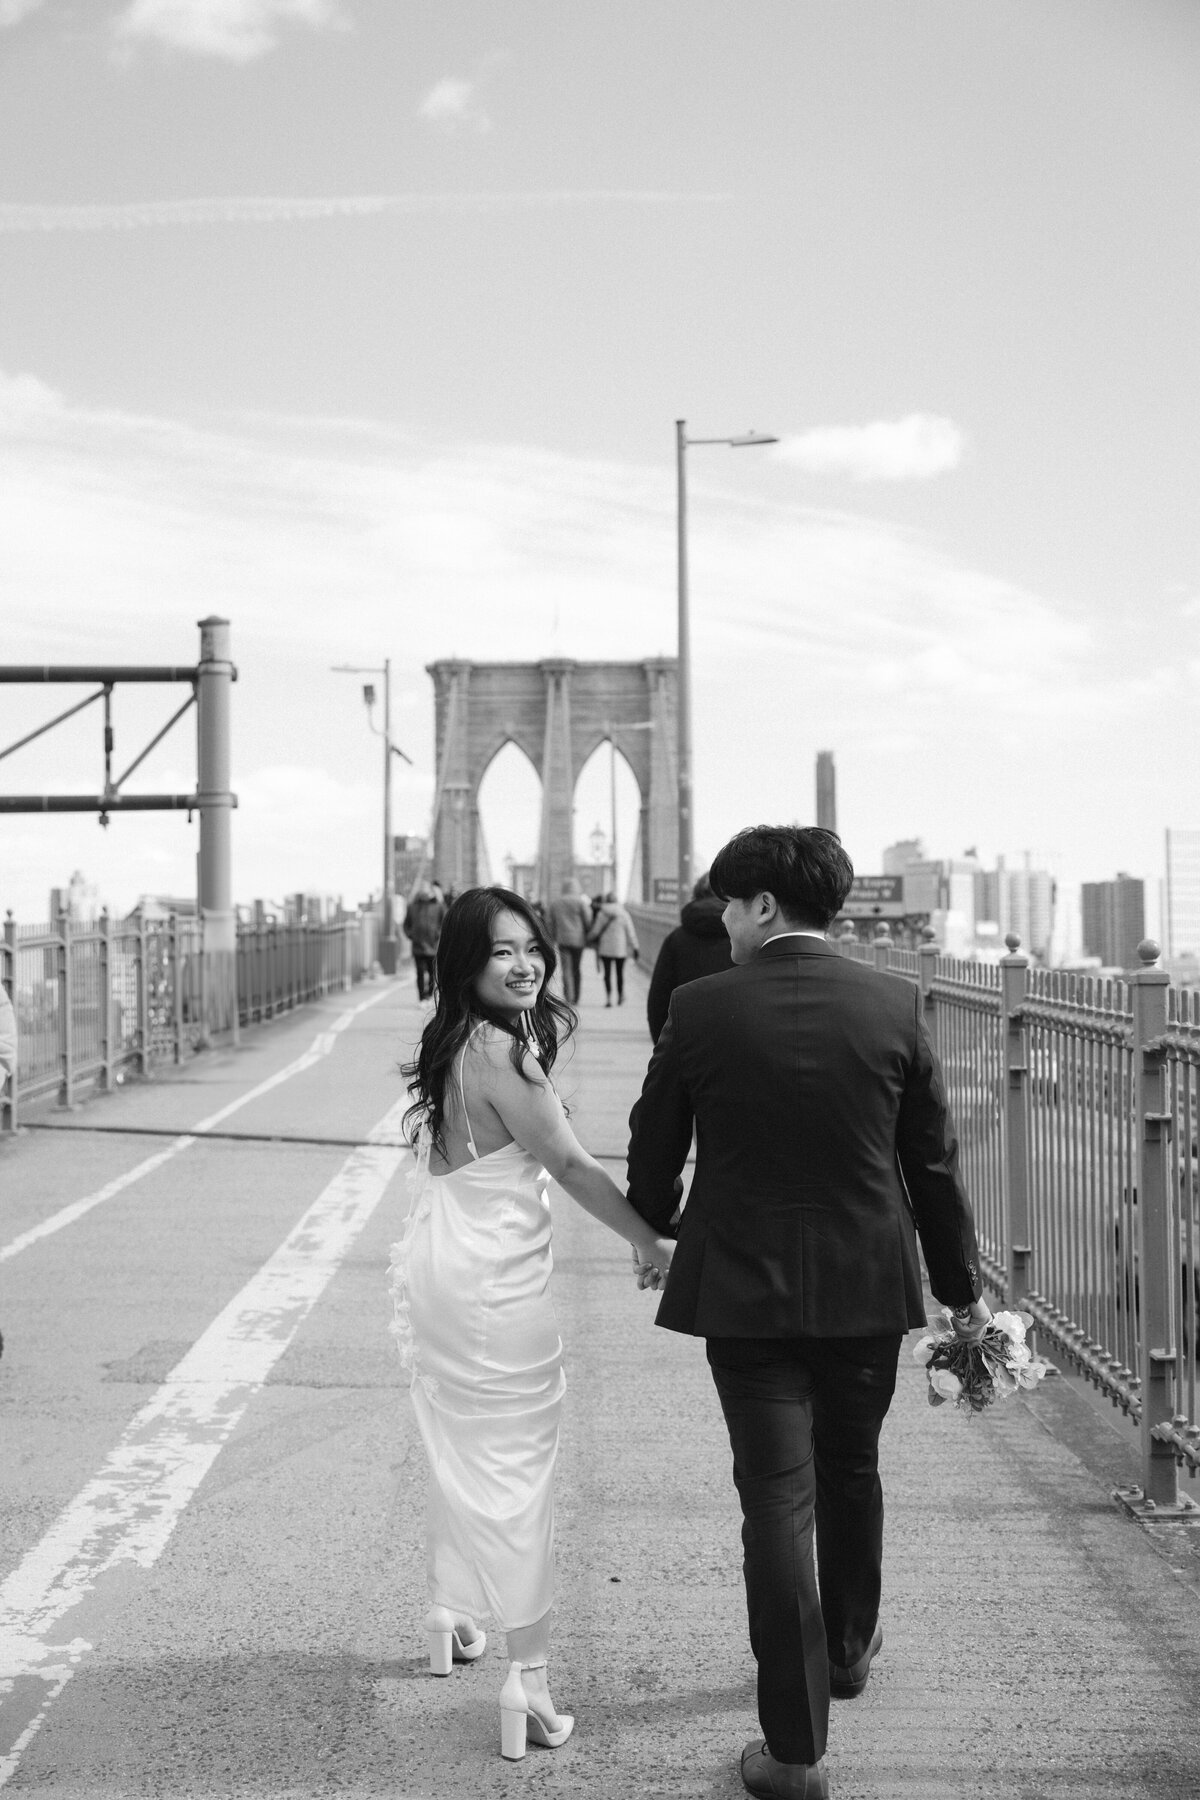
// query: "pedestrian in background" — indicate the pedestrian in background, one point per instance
point(615, 938)
point(423, 928)
point(699, 945)
point(570, 921)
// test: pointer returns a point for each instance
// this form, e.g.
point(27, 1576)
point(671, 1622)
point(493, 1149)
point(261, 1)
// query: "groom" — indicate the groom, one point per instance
point(824, 1150)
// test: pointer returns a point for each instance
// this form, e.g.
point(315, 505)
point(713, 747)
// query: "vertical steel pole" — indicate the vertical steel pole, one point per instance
point(928, 960)
point(387, 946)
point(612, 807)
point(175, 949)
point(215, 897)
point(143, 993)
point(66, 1011)
point(1157, 1255)
point(8, 973)
point(684, 672)
point(105, 1001)
point(1014, 977)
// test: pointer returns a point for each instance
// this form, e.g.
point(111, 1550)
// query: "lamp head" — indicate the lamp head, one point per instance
point(369, 693)
point(751, 437)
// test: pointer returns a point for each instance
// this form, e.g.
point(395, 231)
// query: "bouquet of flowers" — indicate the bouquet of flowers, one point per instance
point(975, 1374)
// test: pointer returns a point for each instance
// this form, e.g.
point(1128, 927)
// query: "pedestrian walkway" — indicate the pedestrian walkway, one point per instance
point(210, 1535)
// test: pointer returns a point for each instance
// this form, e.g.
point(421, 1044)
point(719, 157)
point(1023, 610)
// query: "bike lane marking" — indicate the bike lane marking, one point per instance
point(121, 1519)
point(321, 1046)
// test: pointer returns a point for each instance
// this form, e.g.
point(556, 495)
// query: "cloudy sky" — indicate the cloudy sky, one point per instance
point(366, 324)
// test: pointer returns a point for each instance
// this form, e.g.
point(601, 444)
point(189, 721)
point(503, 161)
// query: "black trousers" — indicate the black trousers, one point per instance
point(572, 962)
point(609, 964)
point(804, 1416)
point(424, 965)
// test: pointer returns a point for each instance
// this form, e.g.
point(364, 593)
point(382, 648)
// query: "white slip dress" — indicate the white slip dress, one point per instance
point(475, 1323)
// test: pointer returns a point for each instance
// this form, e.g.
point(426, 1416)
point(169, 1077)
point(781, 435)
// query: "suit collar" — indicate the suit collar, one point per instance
point(796, 946)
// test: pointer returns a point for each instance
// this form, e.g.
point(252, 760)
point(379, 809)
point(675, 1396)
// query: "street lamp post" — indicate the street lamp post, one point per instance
point(684, 650)
point(387, 927)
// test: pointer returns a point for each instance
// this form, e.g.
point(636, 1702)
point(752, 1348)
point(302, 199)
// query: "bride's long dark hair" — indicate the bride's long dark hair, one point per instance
point(463, 952)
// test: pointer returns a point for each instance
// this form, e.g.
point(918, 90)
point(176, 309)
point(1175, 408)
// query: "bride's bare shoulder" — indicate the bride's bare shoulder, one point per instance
point(491, 1051)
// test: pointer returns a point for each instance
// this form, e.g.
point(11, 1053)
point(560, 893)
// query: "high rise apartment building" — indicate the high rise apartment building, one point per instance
point(1114, 920)
point(1181, 913)
point(941, 888)
point(1020, 901)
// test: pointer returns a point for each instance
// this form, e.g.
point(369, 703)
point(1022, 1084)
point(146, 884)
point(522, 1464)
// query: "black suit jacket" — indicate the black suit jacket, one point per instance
point(824, 1147)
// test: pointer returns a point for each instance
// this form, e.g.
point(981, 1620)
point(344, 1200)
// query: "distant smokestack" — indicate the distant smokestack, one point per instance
point(826, 791)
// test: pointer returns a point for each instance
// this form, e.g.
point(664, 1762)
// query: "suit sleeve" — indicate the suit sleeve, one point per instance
point(662, 984)
point(927, 1150)
point(660, 1134)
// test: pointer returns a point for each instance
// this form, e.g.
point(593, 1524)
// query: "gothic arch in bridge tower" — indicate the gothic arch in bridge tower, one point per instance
point(557, 712)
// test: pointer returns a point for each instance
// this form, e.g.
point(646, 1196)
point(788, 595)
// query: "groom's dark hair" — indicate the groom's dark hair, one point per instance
point(804, 866)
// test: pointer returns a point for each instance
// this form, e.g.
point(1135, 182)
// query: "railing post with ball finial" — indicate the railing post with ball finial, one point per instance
point(883, 946)
point(927, 960)
point(1157, 1258)
point(1014, 977)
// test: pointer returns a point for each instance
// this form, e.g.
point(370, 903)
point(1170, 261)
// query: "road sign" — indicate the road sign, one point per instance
point(875, 897)
point(666, 890)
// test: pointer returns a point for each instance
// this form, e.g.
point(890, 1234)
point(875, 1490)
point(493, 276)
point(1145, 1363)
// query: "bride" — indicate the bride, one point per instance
point(470, 1284)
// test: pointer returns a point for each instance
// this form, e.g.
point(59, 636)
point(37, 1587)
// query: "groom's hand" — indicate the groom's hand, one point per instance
point(651, 1272)
point(646, 1274)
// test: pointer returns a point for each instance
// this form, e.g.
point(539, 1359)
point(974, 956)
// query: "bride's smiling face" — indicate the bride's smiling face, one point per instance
point(515, 972)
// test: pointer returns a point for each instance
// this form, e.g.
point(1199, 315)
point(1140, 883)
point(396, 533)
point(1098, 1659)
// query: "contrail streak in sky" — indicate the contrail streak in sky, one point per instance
point(134, 215)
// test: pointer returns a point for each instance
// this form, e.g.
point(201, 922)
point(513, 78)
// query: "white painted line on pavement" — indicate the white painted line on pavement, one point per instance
point(321, 1046)
point(126, 1513)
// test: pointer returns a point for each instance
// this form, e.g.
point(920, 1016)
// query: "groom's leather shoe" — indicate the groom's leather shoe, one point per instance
point(762, 1774)
point(848, 1684)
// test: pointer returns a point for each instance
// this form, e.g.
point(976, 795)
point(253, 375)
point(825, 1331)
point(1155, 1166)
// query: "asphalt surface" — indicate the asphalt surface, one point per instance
point(211, 1573)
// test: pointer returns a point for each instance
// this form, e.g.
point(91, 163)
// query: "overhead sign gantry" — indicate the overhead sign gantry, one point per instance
point(210, 681)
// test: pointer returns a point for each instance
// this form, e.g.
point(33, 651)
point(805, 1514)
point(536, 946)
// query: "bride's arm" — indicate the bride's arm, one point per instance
point(533, 1112)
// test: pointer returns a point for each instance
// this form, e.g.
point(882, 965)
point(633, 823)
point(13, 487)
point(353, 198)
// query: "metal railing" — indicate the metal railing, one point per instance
point(1077, 1104)
point(97, 1000)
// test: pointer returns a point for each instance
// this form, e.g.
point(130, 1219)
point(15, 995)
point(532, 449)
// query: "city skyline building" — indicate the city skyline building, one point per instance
point(1019, 901)
point(1181, 913)
point(1114, 920)
point(899, 855)
point(826, 791)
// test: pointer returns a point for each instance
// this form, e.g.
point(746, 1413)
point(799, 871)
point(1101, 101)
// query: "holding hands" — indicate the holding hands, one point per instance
point(651, 1260)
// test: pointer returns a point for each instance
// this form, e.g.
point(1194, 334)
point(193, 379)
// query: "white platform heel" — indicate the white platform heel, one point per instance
point(446, 1647)
point(519, 1719)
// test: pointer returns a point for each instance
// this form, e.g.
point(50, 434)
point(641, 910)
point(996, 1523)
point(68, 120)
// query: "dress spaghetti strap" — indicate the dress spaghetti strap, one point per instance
point(462, 1094)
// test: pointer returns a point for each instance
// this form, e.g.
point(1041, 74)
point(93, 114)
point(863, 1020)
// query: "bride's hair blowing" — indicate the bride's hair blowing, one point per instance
point(463, 952)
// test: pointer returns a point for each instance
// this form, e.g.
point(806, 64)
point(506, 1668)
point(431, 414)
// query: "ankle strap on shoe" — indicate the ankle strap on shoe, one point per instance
point(540, 1663)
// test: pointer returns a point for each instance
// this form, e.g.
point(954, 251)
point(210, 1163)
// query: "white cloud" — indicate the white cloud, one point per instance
point(271, 209)
point(908, 449)
point(237, 30)
point(22, 396)
point(13, 11)
point(453, 104)
point(958, 702)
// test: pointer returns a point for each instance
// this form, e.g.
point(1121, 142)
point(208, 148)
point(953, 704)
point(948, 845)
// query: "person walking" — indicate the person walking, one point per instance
point(470, 1284)
point(615, 939)
point(570, 922)
point(699, 945)
point(825, 1150)
point(423, 928)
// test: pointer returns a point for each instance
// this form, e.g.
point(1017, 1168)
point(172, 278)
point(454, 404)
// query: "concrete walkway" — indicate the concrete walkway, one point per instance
point(1038, 1643)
